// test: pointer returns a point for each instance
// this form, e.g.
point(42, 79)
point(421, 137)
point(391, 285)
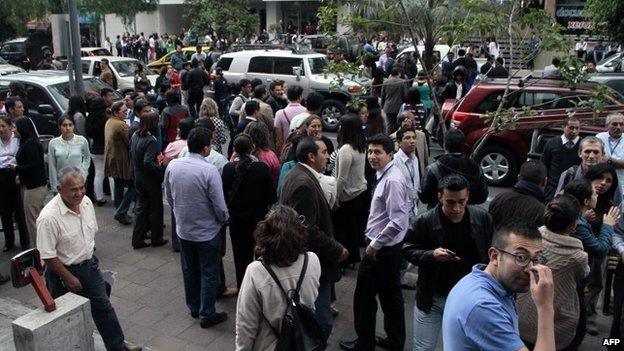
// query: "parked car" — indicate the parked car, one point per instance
point(305, 70)
point(15, 53)
point(6, 68)
point(166, 60)
point(614, 81)
point(609, 64)
point(549, 99)
point(94, 51)
point(439, 51)
point(48, 95)
point(122, 67)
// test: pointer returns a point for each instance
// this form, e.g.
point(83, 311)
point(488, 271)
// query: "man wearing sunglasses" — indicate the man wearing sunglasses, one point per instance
point(480, 312)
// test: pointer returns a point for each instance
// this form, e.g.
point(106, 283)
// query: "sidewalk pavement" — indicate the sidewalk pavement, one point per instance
point(148, 296)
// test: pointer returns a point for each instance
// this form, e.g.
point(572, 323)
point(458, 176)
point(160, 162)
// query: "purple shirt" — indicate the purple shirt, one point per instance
point(195, 192)
point(389, 213)
point(285, 115)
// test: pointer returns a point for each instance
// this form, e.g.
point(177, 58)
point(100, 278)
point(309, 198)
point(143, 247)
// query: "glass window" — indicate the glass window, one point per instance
point(85, 66)
point(225, 63)
point(490, 103)
point(92, 86)
point(284, 65)
point(261, 64)
point(36, 97)
point(3, 61)
point(317, 64)
point(126, 68)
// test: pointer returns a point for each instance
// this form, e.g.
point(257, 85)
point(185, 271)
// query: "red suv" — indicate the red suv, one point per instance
point(501, 156)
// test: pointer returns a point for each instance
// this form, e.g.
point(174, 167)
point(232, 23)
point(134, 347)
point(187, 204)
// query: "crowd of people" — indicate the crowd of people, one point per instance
point(300, 210)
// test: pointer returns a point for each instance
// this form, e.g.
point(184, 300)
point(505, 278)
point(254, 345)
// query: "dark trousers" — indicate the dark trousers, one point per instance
point(380, 278)
point(350, 223)
point(194, 102)
point(11, 207)
point(200, 270)
point(123, 200)
point(618, 303)
point(94, 289)
point(149, 213)
point(392, 119)
point(242, 248)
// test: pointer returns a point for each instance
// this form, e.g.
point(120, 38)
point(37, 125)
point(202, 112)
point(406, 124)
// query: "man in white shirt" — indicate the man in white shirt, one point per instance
point(614, 147)
point(407, 162)
point(66, 231)
point(314, 103)
point(199, 55)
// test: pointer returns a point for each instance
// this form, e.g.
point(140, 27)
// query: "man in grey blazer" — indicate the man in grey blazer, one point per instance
point(302, 191)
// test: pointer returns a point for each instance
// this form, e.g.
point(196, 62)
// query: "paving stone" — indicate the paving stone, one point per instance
point(147, 316)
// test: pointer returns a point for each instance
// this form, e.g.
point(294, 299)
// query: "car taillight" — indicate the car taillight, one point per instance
point(458, 118)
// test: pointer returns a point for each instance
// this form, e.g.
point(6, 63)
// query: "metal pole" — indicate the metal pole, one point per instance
point(74, 28)
point(67, 51)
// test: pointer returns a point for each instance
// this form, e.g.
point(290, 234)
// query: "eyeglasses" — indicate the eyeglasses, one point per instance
point(523, 260)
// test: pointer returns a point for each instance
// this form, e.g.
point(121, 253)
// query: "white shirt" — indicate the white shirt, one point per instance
point(564, 140)
point(493, 47)
point(327, 183)
point(412, 177)
point(460, 90)
point(8, 152)
point(614, 148)
point(64, 234)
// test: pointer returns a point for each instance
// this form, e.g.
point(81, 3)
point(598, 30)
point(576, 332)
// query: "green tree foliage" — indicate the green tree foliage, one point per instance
point(231, 18)
point(608, 15)
point(15, 14)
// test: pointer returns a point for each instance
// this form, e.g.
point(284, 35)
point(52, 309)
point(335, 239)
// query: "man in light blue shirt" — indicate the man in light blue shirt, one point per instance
point(480, 311)
point(195, 192)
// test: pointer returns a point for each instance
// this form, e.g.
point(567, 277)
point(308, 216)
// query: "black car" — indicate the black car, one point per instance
point(14, 51)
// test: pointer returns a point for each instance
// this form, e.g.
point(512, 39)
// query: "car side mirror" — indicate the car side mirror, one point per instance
point(297, 72)
point(45, 109)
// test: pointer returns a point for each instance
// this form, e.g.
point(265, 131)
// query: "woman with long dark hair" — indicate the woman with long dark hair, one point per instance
point(96, 122)
point(351, 186)
point(31, 172)
point(11, 203)
point(375, 121)
point(67, 150)
point(77, 109)
point(148, 178)
point(249, 192)
point(262, 151)
point(281, 242)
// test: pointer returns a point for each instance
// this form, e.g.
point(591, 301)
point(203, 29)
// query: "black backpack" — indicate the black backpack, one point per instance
point(300, 330)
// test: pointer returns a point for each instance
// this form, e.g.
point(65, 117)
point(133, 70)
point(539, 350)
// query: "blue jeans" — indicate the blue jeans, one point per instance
point(427, 326)
point(127, 198)
point(94, 289)
point(323, 310)
point(200, 270)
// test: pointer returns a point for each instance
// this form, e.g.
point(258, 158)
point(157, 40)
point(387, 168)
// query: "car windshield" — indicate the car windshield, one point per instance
point(606, 59)
point(317, 64)
point(126, 68)
point(92, 86)
point(3, 61)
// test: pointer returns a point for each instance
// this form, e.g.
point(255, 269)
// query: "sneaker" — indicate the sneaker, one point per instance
point(219, 317)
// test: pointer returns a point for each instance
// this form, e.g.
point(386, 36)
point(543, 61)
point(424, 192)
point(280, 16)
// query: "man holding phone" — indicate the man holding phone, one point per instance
point(444, 242)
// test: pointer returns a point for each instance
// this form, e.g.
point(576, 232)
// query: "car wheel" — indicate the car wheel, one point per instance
point(330, 114)
point(499, 165)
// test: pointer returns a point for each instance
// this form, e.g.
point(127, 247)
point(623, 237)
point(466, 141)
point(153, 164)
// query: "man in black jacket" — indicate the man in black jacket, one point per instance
point(561, 153)
point(302, 191)
point(525, 201)
point(276, 98)
point(444, 242)
point(453, 162)
point(197, 78)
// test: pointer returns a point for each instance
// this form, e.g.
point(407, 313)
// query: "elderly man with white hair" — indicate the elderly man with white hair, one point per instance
point(614, 145)
point(66, 230)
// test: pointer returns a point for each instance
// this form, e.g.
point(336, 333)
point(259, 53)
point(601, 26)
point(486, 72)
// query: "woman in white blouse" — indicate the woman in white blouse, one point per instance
point(66, 150)
point(11, 198)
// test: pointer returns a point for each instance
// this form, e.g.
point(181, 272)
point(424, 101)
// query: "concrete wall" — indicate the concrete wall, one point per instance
point(166, 19)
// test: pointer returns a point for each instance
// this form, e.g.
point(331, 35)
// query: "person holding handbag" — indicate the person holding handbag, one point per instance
point(280, 240)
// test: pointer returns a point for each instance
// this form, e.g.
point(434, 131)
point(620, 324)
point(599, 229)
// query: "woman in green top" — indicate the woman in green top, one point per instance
point(69, 149)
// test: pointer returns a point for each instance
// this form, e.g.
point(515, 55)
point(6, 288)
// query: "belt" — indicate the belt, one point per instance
point(85, 262)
